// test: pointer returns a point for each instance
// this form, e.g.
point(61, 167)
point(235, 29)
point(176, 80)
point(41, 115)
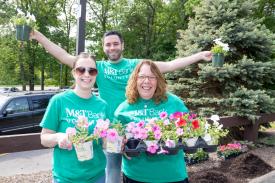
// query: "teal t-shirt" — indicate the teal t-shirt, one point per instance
point(62, 112)
point(112, 79)
point(158, 168)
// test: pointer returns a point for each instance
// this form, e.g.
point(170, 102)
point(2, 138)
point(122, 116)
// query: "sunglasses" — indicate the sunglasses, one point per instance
point(82, 70)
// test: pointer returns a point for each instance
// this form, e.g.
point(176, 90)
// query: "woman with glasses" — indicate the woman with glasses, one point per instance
point(62, 112)
point(146, 99)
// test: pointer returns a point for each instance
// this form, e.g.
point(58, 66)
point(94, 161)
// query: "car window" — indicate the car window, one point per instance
point(18, 105)
point(40, 103)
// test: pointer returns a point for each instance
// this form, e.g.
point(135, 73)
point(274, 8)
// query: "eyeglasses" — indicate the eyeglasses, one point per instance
point(150, 78)
point(82, 70)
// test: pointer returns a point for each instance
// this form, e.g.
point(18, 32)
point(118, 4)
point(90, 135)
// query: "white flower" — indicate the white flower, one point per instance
point(20, 12)
point(215, 118)
point(224, 46)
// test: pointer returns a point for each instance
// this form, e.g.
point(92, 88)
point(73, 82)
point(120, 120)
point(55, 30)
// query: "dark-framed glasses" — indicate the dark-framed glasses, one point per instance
point(150, 78)
point(82, 70)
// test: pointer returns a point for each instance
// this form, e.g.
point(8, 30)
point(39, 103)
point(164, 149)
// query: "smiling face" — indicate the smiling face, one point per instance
point(113, 47)
point(84, 73)
point(146, 82)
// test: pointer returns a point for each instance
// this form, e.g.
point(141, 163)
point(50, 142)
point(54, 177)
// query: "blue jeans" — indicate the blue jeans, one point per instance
point(100, 180)
point(113, 167)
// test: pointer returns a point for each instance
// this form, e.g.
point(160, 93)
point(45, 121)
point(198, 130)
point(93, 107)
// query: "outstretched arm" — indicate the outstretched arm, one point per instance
point(55, 50)
point(180, 63)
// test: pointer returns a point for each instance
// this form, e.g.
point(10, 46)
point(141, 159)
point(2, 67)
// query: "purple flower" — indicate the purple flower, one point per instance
point(157, 134)
point(179, 131)
point(140, 124)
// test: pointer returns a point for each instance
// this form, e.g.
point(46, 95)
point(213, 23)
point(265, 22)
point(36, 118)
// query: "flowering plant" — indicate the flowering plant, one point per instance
point(191, 125)
point(231, 149)
point(22, 19)
point(115, 131)
point(80, 133)
point(219, 47)
point(215, 130)
point(101, 128)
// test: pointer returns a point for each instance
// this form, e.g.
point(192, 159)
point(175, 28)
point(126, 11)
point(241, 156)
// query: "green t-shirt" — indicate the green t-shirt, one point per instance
point(112, 79)
point(158, 168)
point(62, 112)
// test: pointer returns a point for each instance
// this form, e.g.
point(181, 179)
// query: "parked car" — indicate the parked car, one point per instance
point(7, 90)
point(21, 112)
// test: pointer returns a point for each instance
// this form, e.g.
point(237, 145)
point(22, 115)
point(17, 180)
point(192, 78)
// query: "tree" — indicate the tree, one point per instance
point(239, 88)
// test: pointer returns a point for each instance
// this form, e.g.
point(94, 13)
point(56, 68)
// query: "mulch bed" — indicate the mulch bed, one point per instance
point(236, 170)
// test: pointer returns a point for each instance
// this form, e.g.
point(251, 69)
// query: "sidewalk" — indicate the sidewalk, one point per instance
point(29, 162)
point(26, 162)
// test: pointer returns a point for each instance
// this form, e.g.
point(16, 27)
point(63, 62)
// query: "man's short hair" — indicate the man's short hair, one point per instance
point(112, 32)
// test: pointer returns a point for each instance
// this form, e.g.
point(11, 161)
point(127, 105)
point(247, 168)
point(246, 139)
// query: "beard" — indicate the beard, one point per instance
point(114, 56)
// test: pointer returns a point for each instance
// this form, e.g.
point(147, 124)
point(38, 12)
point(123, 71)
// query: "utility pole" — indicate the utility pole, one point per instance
point(81, 20)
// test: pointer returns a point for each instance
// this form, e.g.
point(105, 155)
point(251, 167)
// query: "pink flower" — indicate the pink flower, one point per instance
point(166, 122)
point(71, 132)
point(130, 127)
point(155, 128)
point(170, 143)
point(140, 124)
point(143, 134)
point(152, 148)
point(157, 134)
point(103, 134)
point(112, 135)
point(82, 121)
point(179, 131)
point(163, 115)
point(176, 115)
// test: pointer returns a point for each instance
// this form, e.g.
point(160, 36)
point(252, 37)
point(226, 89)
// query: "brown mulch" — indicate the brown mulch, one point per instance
point(236, 170)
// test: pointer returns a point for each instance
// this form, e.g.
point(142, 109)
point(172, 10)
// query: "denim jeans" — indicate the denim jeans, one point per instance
point(100, 180)
point(113, 167)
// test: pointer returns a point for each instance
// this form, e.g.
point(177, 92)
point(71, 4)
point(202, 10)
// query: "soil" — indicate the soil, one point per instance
point(235, 170)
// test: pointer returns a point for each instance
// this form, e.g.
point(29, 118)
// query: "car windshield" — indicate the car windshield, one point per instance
point(3, 100)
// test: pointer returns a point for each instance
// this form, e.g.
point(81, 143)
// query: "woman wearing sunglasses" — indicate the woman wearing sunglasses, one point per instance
point(146, 99)
point(63, 112)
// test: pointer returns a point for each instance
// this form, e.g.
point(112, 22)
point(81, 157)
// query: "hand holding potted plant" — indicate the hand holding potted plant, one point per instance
point(82, 141)
point(24, 24)
point(219, 51)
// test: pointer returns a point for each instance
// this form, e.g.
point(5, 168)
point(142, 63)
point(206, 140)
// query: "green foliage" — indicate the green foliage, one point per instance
point(242, 86)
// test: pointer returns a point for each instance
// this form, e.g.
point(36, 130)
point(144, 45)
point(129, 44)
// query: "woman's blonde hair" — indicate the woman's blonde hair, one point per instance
point(132, 91)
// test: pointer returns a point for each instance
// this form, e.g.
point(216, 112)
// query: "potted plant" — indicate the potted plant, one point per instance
point(214, 131)
point(231, 150)
point(81, 139)
point(219, 50)
point(193, 127)
point(170, 134)
point(114, 137)
point(24, 24)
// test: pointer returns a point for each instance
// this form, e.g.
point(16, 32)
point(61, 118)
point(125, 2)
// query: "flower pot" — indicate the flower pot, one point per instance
point(84, 151)
point(114, 146)
point(217, 60)
point(171, 151)
point(23, 32)
point(190, 142)
point(132, 143)
point(209, 140)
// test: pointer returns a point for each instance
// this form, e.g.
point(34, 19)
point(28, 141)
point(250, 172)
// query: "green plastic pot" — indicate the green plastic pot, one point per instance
point(217, 60)
point(23, 32)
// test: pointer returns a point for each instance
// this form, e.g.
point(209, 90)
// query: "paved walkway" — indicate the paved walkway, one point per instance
point(25, 162)
point(40, 160)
